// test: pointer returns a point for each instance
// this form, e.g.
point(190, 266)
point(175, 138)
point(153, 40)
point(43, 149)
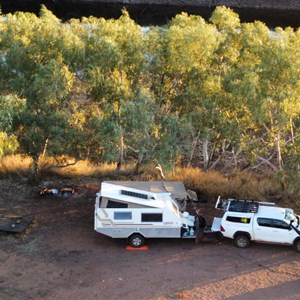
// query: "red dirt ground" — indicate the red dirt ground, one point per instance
point(60, 256)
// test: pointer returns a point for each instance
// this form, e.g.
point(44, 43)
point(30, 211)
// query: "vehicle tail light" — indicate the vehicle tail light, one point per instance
point(222, 228)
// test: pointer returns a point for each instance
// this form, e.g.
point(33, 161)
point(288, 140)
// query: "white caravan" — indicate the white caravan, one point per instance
point(143, 209)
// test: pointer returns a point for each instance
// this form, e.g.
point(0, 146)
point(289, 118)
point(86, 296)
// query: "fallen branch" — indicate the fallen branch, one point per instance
point(266, 161)
point(62, 166)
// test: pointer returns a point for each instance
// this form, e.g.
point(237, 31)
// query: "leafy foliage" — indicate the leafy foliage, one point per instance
point(220, 94)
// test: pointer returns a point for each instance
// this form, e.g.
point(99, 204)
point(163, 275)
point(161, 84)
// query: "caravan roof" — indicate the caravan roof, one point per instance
point(152, 194)
point(176, 188)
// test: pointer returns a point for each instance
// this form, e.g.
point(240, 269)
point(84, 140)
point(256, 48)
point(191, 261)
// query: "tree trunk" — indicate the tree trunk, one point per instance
point(35, 168)
point(278, 150)
point(45, 148)
point(280, 161)
point(194, 145)
point(292, 131)
point(121, 154)
point(159, 168)
point(205, 154)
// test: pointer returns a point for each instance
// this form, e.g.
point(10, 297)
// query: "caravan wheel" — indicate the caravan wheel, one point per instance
point(136, 240)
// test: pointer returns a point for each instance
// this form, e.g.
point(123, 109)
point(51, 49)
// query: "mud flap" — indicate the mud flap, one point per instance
point(200, 224)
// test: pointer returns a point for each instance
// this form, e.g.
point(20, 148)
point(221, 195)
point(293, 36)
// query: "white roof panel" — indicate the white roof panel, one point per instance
point(176, 188)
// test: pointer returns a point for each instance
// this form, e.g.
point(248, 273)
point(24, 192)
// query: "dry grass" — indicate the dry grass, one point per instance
point(241, 185)
point(15, 165)
point(68, 167)
point(208, 185)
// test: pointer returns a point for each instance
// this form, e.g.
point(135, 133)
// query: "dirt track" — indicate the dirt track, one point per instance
point(61, 257)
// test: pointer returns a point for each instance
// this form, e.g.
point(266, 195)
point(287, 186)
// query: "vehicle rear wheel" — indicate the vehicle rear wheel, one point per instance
point(136, 240)
point(241, 241)
point(297, 246)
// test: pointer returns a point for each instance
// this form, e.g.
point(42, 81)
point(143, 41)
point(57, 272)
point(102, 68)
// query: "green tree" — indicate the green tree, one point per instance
point(10, 109)
point(179, 61)
point(265, 84)
point(114, 73)
point(182, 54)
point(34, 68)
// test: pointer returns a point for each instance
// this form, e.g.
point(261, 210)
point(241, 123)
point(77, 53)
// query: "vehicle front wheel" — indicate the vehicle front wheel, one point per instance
point(136, 240)
point(297, 246)
point(241, 241)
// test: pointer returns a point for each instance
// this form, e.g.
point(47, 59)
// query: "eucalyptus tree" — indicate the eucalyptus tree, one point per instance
point(141, 123)
point(181, 61)
point(180, 57)
point(192, 58)
point(34, 68)
point(114, 74)
point(224, 129)
point(11, 107)
point(265, 83)
point(151, 133)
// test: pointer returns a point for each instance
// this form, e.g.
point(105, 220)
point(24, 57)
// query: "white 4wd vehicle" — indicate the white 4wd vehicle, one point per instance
point(245, 221)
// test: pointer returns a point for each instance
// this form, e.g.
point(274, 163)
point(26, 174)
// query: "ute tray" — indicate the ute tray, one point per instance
point(14, 224)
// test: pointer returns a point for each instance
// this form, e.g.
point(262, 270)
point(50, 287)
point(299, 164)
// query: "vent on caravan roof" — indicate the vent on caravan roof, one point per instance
point(133, 194)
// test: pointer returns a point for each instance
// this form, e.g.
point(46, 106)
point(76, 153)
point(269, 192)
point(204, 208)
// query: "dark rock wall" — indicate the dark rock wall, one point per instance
point(271, 4)
point(157, 12)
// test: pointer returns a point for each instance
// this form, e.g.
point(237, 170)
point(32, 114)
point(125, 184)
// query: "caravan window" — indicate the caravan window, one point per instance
point(121, 215)
point(151, 217)
point(116, 204)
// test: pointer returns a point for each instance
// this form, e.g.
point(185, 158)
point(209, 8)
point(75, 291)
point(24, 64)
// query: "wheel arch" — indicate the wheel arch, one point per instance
point(242, 233)
point(296, 240)
point(135, 232)
point(296, 244)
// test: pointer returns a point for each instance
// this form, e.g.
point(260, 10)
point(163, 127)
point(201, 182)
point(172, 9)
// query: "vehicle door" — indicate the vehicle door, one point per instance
point(273, 231)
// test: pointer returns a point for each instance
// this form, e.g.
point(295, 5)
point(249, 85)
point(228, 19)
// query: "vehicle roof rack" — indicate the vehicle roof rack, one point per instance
point(247, 206)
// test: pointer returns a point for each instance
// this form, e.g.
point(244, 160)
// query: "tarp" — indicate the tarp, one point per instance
point(14, 224)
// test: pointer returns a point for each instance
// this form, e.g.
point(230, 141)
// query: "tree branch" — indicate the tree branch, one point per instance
point(267, 161)
point(62, 166)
